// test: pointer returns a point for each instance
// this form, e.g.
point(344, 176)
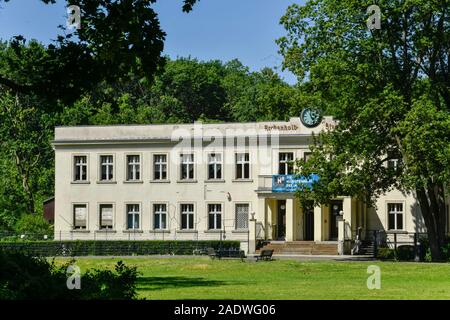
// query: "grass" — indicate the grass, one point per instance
point(202, 278)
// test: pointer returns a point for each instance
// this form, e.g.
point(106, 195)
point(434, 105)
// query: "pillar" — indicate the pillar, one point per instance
point(290, 222)
point(318, 221)
point(347, 208)
point(252, 236)
point(341, 235)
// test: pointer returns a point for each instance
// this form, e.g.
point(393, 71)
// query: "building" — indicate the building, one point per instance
point(206, 181)
point(49, 210)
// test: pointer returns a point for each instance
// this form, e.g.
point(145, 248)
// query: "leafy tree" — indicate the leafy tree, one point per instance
point(389, 88)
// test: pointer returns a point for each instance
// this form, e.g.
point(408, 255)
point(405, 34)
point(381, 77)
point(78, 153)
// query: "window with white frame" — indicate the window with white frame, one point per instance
point(106, 216)
point(79, 216)
point(80, 168)
point(214, 166)
point(214, 216)
point(285, 163)
point(106, 168)
point(242, 166)
point(160, 216)
point(133, 214)
point(395, 216)
point(133, 167)
point(160, 167)
point(394, 160)
point(242, 211)
point(187, 166)
point(187, 216)
point(306, 156)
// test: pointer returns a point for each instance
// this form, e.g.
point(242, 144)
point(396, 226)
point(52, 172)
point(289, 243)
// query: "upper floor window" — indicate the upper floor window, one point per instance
point(395, 216)
point(242, 166)
point(306, 156)
point(106, 216)
point(79, 216)
point(214, 166)
point(133, 167)
point(214, 216)
point(133, 214)
point(187, 166)
point(106, 168)
point(160, 167)
point(80, 168)
point(187, 216)
point(160, 216)
point(285, 163)
point(393, 160)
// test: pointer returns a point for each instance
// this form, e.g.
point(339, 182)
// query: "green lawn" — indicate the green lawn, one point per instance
point(202, 278)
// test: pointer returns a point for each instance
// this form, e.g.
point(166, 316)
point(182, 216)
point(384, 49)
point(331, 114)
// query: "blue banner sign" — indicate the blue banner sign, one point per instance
point(292, 183)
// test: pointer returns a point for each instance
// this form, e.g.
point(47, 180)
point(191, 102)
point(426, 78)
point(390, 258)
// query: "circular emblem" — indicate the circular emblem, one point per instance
point(310, 117)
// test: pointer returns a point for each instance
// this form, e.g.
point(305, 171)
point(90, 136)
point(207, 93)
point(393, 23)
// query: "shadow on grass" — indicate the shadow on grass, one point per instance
point(158, 283)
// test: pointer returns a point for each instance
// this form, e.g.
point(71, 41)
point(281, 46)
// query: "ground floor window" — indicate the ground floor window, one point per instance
point(187, 216)
point(214, 216)
point(133, 213)
point(160, 216)
point(106, 216)
point(395, 214)
point(242, 210)
point(79, 216)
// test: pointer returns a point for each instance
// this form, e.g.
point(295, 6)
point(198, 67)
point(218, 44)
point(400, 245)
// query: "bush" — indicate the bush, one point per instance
point(25, 277)
point(104, 248)
point(34, 226)
point(405, 253)
point(386, 254)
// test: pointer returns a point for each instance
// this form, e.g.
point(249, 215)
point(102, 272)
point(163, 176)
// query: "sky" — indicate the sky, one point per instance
point(215, 29)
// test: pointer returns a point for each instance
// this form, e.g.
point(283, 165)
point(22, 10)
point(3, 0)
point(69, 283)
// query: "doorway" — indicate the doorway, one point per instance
point(308, 226)
point(336, 208)
point(281, 220)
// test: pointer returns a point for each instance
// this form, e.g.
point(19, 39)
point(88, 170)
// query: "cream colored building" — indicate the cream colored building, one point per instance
point(204, 181)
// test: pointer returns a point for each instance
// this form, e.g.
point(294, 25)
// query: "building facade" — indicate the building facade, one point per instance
point(230, 181)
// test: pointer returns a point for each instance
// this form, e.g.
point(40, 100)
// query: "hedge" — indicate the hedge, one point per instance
point(123, 247)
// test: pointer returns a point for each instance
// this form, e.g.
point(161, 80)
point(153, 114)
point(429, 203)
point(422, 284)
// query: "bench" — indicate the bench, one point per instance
point(226, 253)
point(265, 255)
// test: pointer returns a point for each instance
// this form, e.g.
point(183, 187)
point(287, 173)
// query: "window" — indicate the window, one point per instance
point(242, 216)
point(214, 166)
point(306, 156)
point(395, 213)
point(106, 168)
point(285, 163)
point(187, 166)
point(160, 167)
point(133, 212)
point(214, 216)
point(187, 216)
point(160, 216)
point(133, 168)
point(393, 164)
point(393, 160)
point(79, 216)
point(80, 168)
point(242, 166)
point(106, 216)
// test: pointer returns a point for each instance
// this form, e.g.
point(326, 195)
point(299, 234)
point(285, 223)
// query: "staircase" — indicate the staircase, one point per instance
point(367, 248)
point(301, 248)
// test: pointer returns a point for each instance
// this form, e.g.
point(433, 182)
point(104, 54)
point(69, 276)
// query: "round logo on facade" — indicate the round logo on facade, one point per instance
point(311, 117)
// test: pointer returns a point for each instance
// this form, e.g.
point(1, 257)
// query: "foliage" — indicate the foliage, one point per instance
point(33, 224)
point(385, 253)
point(389, 89)
point(24, 277)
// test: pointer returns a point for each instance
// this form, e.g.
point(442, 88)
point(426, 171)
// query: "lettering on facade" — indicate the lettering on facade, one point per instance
point(286, 127)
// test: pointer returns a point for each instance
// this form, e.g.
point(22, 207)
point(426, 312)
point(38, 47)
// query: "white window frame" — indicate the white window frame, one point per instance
point(86, 205)
point(127, 163)
point(235, 204)
point(215, 165)
point(75, 165)
point(159, 164)
point(243, 162)
point(100, 215)
point(188, 163)
point(160, 213)
point(285, 162)
point(139, 213)
point(215, 213)
point(112, 165)
point(396, 213)
point(187, 213)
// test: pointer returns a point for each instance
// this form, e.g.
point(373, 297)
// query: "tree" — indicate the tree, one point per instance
point(389, 88)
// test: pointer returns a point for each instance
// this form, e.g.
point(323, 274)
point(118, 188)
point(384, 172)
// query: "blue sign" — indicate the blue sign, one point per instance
point(292, 183)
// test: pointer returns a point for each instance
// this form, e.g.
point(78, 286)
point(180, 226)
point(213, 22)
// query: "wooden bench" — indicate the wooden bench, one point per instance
point(265, 255)
point(226, 253)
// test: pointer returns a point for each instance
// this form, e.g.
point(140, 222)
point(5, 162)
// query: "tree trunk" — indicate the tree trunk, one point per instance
point(432, 206)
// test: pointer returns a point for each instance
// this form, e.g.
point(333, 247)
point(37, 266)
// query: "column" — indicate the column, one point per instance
point(252, 236)
point(318, 220)
point(347, 208)
point(290, 223)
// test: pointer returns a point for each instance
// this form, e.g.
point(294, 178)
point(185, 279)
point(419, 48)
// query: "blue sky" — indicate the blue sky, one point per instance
point(215, 29)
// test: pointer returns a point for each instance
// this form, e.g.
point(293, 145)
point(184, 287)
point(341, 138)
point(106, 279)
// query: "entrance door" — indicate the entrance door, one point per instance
point(336, 208)
point(281, 220)
point(308, 225)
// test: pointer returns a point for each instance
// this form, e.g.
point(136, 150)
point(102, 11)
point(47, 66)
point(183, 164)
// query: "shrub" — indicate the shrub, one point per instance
point(405, 253)
point(34, 226)
point(25, 277)
point(386, 254)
